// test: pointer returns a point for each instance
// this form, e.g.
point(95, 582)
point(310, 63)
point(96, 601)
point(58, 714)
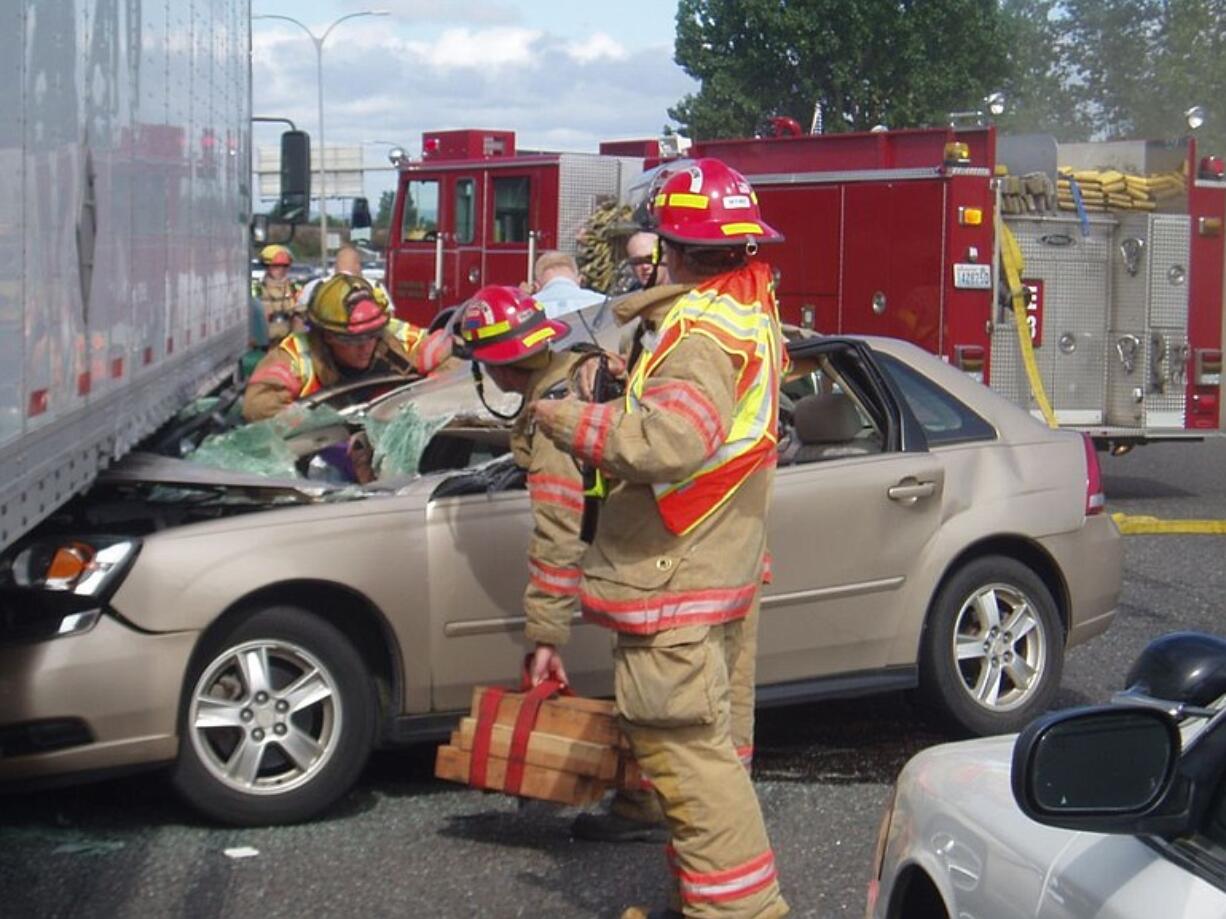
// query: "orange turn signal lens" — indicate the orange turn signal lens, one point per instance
point(67, 565)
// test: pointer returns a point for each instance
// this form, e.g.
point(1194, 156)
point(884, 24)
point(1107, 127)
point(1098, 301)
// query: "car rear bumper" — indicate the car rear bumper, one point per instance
point(1092, 560)
point(106, 698)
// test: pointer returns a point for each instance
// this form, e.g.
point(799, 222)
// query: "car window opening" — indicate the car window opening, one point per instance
point(824, 415)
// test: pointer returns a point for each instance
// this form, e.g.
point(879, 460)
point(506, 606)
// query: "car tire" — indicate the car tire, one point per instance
point(277, 720)
point(993, 647)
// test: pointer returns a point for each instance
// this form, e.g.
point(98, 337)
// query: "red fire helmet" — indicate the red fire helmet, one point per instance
point(708, 203)
point(502, 325)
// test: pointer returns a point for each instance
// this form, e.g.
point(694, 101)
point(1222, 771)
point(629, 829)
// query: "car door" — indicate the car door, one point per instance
point(846, 527)
point(478, 550)
point(1121, 877)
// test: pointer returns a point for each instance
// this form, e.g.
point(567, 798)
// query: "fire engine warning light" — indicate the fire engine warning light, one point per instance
point(970, 216)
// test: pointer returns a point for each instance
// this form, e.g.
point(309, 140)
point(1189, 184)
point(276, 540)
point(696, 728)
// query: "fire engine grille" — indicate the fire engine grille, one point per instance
point(1008, 376)
point(584, 182)
point(1170, 236)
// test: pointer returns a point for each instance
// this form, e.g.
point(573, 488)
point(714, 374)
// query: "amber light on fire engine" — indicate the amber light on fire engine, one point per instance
point(957, 153)
point(970, 216)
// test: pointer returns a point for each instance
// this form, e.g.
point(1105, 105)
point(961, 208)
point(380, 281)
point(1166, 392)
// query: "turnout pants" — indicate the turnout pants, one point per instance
point(675, 701)
point(643, 805)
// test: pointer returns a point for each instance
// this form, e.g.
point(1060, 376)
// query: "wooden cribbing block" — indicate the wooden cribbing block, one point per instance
point(548, 750)
point(593, 720)
point(452, 764)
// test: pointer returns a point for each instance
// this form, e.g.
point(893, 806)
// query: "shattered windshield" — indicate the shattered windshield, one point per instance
point(316, 444)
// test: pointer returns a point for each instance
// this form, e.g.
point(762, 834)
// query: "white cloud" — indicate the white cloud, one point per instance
point(555, 93)
point(596, 46)
point(483, 49)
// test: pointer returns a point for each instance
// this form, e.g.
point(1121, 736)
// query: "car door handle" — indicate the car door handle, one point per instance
point(910, 489)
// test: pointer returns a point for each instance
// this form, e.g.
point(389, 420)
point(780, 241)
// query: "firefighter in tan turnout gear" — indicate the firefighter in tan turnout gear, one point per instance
point(352, 335)
point(507, 332)
point(678, 556)
point(278, 294)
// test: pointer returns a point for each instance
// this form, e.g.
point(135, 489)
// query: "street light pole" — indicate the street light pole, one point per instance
point(319, 78)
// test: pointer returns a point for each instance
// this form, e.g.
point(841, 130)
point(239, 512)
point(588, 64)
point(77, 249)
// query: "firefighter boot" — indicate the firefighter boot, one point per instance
point(633, 816)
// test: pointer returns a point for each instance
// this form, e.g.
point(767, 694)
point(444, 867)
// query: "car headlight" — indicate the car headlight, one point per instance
point(90, 566)
point(52, 588)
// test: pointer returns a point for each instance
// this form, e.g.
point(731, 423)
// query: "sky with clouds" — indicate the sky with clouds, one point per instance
point(562, 75)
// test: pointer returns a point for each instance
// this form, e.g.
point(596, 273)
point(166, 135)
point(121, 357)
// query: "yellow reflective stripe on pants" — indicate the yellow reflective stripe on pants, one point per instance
point(1141, 525)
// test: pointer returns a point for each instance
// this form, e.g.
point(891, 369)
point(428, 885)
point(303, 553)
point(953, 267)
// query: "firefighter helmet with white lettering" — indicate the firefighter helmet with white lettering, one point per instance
point(705, 202)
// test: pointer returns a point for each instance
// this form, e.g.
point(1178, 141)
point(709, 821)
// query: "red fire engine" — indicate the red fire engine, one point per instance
point(893, 233)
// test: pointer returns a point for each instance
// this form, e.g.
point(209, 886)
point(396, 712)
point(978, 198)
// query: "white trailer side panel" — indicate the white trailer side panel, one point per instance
point(124, 203)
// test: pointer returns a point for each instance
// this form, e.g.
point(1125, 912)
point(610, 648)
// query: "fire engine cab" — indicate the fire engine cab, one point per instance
point(900, 233)
point(475, 211)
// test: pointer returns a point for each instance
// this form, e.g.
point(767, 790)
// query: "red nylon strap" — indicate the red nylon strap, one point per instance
point(529, 708)
point(487, 714)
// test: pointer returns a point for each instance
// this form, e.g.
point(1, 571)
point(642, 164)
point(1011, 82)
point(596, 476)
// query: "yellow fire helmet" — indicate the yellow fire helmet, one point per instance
point(276, 255)
point(347, 305)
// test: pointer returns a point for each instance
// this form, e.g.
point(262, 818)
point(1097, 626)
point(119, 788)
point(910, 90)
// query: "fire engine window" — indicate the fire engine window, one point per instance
point(465, 195)
point(511, 209)
point(420, 221)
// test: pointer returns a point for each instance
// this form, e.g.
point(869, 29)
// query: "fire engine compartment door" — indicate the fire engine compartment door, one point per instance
point(893, 240)
point(1074, 272)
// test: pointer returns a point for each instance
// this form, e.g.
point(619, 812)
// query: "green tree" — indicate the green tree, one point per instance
point(1039, 91)
point(867, 62)
point(383, 217)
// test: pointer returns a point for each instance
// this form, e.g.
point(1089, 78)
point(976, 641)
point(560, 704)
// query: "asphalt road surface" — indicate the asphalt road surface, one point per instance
point(403, 844)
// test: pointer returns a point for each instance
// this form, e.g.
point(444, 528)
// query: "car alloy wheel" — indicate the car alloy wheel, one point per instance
point(993, 647)
point(264, 718)
point(1000, 646)
point(278, 718)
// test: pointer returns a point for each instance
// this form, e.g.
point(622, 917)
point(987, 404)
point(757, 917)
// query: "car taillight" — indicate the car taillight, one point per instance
point(1095, 499)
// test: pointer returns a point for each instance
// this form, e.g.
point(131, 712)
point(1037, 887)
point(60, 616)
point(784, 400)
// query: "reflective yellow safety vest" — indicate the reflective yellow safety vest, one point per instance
point(739, 313)
point(406, 333)
point(298, 346)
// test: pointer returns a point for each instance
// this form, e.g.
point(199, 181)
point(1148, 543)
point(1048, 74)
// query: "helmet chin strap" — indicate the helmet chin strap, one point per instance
point(479, 384)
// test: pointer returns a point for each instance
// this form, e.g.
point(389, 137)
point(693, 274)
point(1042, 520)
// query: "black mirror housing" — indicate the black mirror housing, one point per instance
point(295, 200)
point(1103, 769)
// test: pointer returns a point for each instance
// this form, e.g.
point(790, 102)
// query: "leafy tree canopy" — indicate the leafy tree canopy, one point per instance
point(1080, 69)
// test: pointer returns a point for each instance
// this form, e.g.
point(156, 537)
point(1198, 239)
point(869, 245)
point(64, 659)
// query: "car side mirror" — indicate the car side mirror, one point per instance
point(1106, 769)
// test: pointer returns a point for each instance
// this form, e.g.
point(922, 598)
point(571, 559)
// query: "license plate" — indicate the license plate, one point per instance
point(972, 277)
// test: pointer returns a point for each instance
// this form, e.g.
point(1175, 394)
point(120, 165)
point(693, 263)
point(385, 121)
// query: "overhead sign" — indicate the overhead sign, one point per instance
point(344, 171)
